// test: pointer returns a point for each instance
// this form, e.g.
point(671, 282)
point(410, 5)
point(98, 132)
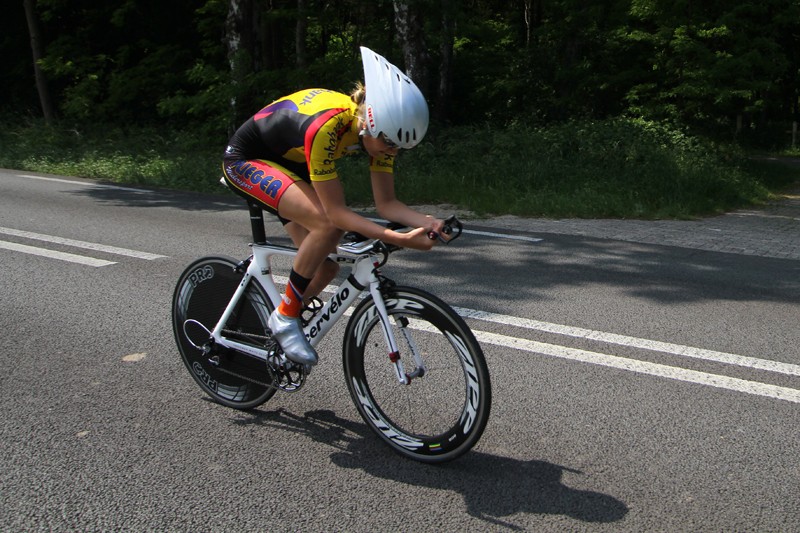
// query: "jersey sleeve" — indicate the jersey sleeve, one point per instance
point(322, 144)
point(382, 164)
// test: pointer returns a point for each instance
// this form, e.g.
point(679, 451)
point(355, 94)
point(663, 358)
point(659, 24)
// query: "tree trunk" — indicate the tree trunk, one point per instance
point(528, 21)
point(233, 45)
point(36, 49)
point(246, 53)
point(233, 38)
point(533, 18)
point(445, 89)
point(300, 34)
point(409, 25)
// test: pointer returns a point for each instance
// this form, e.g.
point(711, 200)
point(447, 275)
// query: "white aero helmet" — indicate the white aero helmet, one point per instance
point(394, 105)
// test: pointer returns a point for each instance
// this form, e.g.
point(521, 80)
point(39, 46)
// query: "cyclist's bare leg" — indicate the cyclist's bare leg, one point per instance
point(300, 204)
point(325, 273)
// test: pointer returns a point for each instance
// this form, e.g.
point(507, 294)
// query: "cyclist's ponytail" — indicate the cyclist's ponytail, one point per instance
point(359, 95)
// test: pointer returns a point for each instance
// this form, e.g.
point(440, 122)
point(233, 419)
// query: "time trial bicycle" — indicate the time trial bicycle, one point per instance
point(414, 369)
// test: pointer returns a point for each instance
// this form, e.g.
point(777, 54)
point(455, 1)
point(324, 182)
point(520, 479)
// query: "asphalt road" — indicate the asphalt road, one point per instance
point(637, 386)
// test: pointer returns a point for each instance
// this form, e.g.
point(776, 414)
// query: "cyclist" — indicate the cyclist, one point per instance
point(283, 159)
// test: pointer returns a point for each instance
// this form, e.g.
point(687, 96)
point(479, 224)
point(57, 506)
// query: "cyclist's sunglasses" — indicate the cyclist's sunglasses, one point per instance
point(389, 144)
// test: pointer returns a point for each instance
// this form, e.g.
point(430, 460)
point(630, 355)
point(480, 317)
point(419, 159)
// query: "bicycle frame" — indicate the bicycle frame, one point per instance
point(363, 276)
point(220, 320)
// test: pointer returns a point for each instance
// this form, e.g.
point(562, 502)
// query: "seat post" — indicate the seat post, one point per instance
point(257, 223)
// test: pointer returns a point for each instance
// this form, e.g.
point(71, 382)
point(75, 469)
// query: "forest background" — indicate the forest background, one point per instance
point(635, 108)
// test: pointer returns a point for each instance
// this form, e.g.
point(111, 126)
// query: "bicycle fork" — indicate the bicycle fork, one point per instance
point(391, 343)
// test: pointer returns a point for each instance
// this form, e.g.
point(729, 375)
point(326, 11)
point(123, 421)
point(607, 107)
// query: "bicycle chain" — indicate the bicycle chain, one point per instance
point(263, 338)
point(281, 379)
point(272, 385)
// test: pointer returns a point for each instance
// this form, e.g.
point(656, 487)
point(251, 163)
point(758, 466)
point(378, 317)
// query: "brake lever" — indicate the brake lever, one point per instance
point(451, 224)
point(383, 249)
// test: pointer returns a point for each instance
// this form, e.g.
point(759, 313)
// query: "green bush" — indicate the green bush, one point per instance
point(617, 168)
point(612, 168)
point(142, 156)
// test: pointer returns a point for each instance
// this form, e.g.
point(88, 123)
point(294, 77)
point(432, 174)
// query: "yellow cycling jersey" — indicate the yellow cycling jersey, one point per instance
point(313, 126)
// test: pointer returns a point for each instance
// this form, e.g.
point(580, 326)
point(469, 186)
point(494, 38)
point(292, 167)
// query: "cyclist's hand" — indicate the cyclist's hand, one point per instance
point(417, 239)
point(438, 231)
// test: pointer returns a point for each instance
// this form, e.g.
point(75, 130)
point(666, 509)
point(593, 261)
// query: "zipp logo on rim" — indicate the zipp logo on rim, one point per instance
point(374, 414)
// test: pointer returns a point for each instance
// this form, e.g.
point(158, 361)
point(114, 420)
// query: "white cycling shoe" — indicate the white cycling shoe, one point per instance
point(288, 331)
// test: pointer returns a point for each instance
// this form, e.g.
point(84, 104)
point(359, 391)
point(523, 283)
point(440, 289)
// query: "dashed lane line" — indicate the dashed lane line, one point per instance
point(632, 365)
point(80, 244)
point(623, 363)
point(633, 342)
point(52, 254)
point(643, 367)
point(82, 183)
point(506, 236)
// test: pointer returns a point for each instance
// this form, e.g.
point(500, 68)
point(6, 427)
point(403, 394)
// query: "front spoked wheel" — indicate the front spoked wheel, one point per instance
point(231, 378)
point(442, 412)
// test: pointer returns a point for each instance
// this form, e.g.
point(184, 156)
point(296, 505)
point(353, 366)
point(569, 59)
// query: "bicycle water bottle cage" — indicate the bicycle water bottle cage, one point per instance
point(241, 266)
point(310, 311)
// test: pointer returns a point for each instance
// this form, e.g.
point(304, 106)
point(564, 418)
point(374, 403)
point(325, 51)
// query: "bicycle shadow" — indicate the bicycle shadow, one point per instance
point(493, 487)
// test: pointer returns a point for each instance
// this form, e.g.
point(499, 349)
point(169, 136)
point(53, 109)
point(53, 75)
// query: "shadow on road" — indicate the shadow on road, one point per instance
point(112, 194)
point(493, 487)
point(663, 274)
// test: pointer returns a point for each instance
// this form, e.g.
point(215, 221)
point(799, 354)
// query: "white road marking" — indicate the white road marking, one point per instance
point(633, 342)
point(483, 233)
point(643, 367)
point(72, 258)
point(82, 183)
point(624, 363)
point(503, 236)
point(759, 215)
point(631, 365)
point(81, 244)
point(378, 220)
point(788, 369)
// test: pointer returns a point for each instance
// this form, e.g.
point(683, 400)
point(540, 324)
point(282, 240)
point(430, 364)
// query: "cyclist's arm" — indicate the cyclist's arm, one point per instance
point(390, 208)
point(331, 195)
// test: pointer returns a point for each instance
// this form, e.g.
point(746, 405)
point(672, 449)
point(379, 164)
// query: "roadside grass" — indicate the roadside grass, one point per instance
point(622, 168)
point(141, 156)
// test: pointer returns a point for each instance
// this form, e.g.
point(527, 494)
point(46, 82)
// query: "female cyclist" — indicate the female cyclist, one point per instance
point(283, 159)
